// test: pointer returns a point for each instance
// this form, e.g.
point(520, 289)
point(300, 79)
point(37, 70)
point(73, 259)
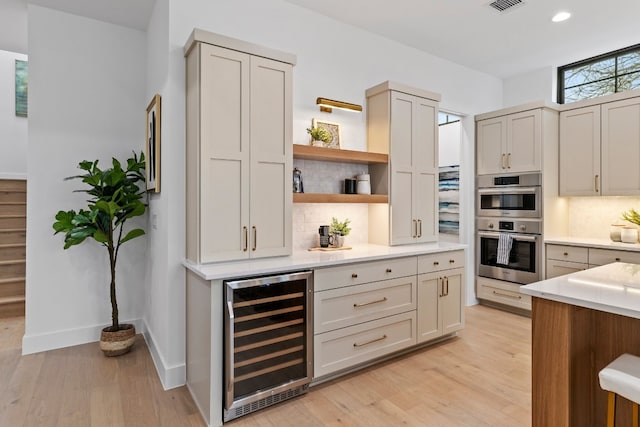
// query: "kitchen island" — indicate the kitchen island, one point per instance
point(580, 323)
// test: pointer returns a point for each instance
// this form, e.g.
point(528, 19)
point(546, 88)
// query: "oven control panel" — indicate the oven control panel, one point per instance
point(526, 226)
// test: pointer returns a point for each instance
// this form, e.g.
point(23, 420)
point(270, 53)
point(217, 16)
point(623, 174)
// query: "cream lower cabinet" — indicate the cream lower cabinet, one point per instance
point(600, 149)
point(565, 259)
point(239, 150)
point(402, 122)
point(440, 295)
point(363, 311)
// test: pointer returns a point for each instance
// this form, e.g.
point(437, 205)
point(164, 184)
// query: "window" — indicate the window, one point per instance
point(612, 72)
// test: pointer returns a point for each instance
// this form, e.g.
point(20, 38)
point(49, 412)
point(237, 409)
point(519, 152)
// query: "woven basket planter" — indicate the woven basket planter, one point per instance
point(118, 342)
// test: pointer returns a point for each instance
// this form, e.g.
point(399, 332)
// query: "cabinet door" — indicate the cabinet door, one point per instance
point(621, 148)
point(425, 152)
point(580, 152)
point(491, 137)
point(402, 163)
point(271, 158)
point(429, 290)
point(451, 301)
point(524, 142)
point(224, 154)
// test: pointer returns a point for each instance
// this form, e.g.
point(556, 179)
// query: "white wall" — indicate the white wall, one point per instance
point(449, 144)
point(13, 129)
point(536, 85)
point(13, 26)
point(339, 62)
point(86, 101)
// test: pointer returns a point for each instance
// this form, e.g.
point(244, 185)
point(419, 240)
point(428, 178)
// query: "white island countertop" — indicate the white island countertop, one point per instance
point(594, 243)
point(314, 259)
point(612, 288)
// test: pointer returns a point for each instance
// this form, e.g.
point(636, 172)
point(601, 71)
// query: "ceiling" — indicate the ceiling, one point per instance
point(471, 33)
point(467, 32)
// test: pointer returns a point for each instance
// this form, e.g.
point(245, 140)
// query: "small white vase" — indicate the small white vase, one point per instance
point(317, 143)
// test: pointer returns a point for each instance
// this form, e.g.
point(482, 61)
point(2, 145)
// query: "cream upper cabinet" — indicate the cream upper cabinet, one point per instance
point(402, 122)
point(580, 152)
point(621, 148)
point(239, 155)
point(600, 149)
point(510, 143)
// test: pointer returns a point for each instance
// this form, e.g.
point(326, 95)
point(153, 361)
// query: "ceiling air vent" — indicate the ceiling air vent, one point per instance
point(503, 5)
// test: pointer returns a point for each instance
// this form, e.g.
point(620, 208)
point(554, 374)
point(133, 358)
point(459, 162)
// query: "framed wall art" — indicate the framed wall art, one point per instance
point(21, 88)
point(152, 146)
point(332, 128)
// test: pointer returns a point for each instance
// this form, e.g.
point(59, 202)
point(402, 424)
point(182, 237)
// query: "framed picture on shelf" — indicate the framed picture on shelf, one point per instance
point(332, 128)
point(152, 145)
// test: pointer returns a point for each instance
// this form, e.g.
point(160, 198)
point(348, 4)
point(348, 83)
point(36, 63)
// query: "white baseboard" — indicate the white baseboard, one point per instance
point(170, 376)
point(36, 343)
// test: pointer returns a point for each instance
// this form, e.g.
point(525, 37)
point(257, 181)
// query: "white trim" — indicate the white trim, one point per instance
point(66, 338)
point(170, 376)
point(9, 175)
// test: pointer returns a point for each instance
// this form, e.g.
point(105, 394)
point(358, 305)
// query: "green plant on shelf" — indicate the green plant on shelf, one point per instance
point(338, 227)
point(319, 134)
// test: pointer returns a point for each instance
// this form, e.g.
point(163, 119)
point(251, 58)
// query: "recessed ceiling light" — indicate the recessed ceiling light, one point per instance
point(561, 16)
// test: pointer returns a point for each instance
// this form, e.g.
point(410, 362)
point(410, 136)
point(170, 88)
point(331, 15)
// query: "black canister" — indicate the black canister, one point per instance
point(350, 186)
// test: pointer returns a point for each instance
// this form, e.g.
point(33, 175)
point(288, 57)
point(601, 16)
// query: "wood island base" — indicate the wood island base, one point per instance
point(570, 345)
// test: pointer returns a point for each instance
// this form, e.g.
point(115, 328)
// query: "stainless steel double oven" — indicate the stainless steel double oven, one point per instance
point(509, 205)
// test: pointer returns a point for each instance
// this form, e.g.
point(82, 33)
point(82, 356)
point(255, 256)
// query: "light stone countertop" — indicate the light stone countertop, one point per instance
point(612, 288)
point(300, 260)
point(594, 243)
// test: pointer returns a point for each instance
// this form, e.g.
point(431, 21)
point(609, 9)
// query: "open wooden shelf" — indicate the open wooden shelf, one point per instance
point(309, 152)
point(339, 198)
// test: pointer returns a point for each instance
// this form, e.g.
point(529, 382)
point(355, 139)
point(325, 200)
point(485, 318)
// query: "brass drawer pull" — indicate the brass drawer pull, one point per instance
point(436, 263)
point(617, 259)
point(355, 344)
point(354, 275)
point(246, 238)
point(507, 295)
point(566, 254)
point(383, 299)
point(389, 270)
point(451, 261)
point(255, 238)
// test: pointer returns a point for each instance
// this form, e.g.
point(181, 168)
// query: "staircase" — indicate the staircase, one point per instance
point(13, 223)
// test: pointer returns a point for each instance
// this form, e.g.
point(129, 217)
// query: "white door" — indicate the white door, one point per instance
point(451, 303)
point(580, 152)
point(524, 142)
point(224, 144)
point(621, 148)
point(425, 149)
point(271, 158)
point(404, 224)
point(491, 137)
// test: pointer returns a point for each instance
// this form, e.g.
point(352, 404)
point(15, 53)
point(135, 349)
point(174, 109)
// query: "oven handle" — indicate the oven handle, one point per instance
point(522, 237)
point(508, 190)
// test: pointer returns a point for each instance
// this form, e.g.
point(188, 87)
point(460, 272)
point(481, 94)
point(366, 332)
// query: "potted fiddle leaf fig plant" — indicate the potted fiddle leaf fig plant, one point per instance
point(114, 197)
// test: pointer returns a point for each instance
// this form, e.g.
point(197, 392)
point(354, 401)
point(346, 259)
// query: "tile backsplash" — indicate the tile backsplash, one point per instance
point(308, 217)
point(326, 177)
point(591, 217)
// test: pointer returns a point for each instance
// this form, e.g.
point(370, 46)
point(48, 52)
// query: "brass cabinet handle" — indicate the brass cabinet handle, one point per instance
point(447, 280)
point(415, 228)
point(502, 164)
point(507, 295)
point(355, 344)
point(441, 283)
point(436, 263)
point(362, 304)
point(617, 259)
point(389, 270)
point(566, 254)
point(597, 183)
point(451, 261)
point(509, 161)
point(255, 238)
point(246, 239)
point(420, 228)
point(354, 275)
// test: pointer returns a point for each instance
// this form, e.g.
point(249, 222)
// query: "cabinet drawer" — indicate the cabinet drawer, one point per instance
point(503, 293)
point(338, 308)
point(607, 256)
point(440, 261)
point(556, 268)
point(347, 347)
point(568, 253)
point(363, 272)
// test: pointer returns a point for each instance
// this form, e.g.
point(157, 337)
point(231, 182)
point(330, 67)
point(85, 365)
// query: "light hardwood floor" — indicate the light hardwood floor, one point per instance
point(480, 378)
